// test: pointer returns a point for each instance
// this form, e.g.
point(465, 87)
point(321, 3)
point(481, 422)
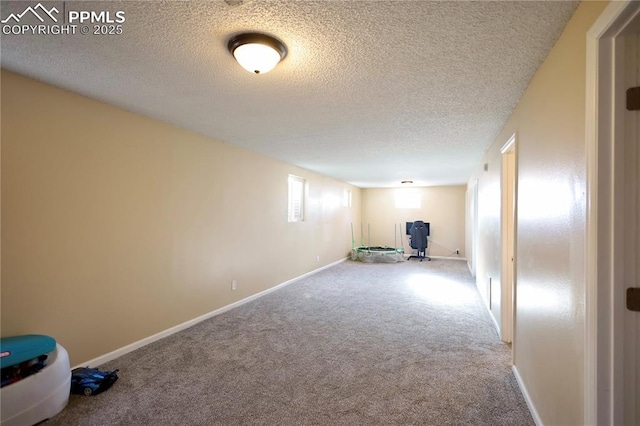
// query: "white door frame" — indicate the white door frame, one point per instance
point(474, 228)
point(507, 307)
point(604, 392)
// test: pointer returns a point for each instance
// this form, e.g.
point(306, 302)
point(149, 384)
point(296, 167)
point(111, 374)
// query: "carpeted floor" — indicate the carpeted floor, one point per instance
point(357, 344)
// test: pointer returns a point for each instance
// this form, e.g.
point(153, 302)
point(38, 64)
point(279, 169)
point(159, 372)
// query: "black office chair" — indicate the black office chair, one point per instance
point(418, 241)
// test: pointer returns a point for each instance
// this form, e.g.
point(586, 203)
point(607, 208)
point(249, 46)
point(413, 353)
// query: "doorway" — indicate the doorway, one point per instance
point(509, 191)
point(472, 227)
point(612, 363)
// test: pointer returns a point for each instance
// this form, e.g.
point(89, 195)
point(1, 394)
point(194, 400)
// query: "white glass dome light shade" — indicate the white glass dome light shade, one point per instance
point(257, 53)
point(256, 57)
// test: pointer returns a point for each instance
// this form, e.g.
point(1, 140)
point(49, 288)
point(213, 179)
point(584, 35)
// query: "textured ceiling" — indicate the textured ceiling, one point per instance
point(371, 92)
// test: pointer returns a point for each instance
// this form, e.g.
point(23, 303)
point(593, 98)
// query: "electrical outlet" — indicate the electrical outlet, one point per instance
point(317, 258)
point(457, 251)
point(234, 285)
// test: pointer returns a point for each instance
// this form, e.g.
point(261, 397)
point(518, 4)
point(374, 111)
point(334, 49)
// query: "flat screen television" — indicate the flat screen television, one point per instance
point(410, 224)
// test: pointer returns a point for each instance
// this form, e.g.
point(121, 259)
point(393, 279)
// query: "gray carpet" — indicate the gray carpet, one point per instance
point(357, 344)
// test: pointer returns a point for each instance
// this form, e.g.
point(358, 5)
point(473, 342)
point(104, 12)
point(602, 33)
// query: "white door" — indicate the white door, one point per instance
point(631, 236)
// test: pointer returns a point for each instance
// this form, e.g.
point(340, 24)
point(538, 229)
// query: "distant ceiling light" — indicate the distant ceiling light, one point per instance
point(406, 181)
point(257, 53)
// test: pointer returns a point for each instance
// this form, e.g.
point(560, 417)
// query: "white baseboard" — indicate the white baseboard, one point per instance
point(527, 398)
point(493, 319)
point(147, 340)
point(473, 273)
point(495, 323)
point(447, 257)
point(406, 256)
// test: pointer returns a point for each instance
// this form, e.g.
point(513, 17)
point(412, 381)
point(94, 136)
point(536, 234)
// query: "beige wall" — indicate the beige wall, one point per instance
point(116, 226)
point(550, 126)
point(442, 206)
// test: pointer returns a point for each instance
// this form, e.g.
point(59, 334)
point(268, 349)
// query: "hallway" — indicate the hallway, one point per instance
point(406, 343)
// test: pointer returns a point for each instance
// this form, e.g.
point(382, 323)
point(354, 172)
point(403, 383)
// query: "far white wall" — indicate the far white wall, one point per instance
point(442, 206)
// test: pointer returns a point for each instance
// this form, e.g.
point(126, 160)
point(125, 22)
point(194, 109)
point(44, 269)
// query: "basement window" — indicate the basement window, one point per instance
point(408, 199)
point(296, 199)
point(346, 198)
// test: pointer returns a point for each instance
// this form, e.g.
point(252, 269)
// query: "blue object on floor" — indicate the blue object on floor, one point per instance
point(90, 381)
point(17, 349)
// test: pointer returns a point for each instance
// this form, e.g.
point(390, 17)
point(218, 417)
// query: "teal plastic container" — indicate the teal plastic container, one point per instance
point(17, 349)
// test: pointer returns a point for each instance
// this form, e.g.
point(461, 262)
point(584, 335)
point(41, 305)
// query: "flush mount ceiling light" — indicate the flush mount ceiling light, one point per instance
point(257, 53)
